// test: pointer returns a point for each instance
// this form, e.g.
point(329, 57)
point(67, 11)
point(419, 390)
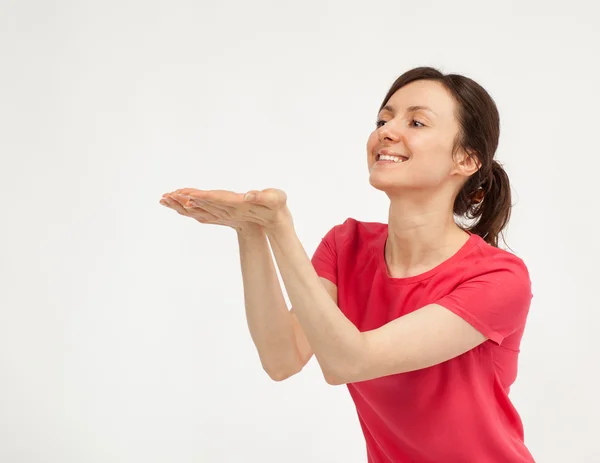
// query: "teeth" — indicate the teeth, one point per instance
point(385, 157)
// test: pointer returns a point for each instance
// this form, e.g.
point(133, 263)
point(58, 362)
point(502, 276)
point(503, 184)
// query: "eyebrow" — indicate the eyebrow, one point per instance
point(410, 109)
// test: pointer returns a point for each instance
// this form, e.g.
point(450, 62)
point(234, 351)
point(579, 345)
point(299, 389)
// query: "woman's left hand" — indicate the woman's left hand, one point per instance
point(266, 208)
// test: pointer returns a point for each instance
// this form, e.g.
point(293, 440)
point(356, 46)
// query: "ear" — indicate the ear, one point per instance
point(467, 162)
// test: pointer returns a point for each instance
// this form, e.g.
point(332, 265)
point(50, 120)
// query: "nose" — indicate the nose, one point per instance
point(388, 132)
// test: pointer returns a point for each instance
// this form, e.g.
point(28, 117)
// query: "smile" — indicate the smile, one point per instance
point(390, 158)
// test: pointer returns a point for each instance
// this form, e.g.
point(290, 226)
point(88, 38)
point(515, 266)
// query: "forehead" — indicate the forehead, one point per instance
point(424, 93)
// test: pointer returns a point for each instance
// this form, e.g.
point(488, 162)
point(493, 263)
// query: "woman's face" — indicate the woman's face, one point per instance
point(418, 128)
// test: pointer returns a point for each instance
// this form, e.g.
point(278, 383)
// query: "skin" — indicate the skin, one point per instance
point(422, 234)
point(422, 189)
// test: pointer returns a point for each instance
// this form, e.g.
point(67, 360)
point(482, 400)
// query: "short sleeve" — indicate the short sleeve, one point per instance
point(324, 259)
point(494, 297)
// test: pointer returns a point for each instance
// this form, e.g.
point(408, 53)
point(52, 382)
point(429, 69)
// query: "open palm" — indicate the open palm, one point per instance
point(266, 208)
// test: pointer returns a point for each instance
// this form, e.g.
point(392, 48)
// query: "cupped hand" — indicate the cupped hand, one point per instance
point(266, 208)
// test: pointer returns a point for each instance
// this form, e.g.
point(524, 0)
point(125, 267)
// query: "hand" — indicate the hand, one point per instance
point(266, 209)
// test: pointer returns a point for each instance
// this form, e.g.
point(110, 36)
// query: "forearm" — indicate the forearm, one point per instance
point(336, 342)
point(269, 320)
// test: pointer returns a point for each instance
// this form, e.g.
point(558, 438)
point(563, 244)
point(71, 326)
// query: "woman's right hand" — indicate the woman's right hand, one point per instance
point(206, 213)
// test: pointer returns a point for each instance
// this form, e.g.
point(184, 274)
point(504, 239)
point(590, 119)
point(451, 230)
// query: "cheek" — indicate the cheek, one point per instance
point(372, 142)
point(421, 141)
point(431, 150)
point(433, 160)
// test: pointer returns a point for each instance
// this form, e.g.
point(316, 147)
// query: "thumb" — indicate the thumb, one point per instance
point(271, 197)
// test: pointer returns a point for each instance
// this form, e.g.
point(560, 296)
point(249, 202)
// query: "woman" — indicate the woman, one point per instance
point(421, 317)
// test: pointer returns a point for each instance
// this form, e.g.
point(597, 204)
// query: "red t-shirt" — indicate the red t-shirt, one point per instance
point(457, 411)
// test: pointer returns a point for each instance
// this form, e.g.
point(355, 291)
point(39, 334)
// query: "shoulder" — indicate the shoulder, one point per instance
point(352, 229)
point(492, 278)
point(496, 263)
point(491, 289)
point(354, 237)
point(345, 245)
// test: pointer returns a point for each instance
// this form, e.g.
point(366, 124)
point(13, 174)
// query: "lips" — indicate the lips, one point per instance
point(387, 152)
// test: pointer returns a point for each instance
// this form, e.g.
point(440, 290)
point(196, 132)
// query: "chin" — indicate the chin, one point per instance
point(385, 183)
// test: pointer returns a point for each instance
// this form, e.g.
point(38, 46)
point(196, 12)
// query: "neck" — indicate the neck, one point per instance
point(421, 235)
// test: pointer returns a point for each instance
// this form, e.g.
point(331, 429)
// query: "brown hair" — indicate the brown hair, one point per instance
point(485, 197)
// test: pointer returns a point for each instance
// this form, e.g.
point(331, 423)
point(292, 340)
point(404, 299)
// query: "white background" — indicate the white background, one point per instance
point(122, 329)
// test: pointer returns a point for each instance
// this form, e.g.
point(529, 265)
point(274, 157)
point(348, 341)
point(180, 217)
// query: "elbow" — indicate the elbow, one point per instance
point(334, 380)
point(350, 373)
point(280, 373)
point(337, 377)
point(350, 365)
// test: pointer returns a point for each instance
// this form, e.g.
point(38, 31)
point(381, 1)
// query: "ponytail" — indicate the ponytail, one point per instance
point(490, 203)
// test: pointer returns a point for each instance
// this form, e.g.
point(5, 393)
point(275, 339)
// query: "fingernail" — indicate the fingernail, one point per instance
point(249, 197)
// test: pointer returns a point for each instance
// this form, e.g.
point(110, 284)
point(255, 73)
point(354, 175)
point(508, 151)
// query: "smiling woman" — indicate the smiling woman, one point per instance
point(421, 317)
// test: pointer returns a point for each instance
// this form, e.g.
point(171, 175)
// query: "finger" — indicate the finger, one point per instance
point(256, 201)
point(212, 210)
point(270, 198)
point(167, 201)
point(170, 202)
point(202, 215)
point(226, 203)
point(185, 201)
point(181, 200)
point(218, 196)
point(196, 200)
point(172, 197)
point(182, 195)
point(188, 191)
point(193, 206)
point(253, 196)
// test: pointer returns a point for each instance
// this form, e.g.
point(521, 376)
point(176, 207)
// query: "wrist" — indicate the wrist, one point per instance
point(281, 230)
point(249, 231)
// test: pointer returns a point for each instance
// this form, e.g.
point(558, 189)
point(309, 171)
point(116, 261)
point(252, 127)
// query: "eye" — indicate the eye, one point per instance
point(413, 123)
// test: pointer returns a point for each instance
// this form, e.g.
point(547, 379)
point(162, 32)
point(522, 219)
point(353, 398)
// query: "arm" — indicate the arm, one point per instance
point(423, 338)
point(281, 343)
point(282, 346)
